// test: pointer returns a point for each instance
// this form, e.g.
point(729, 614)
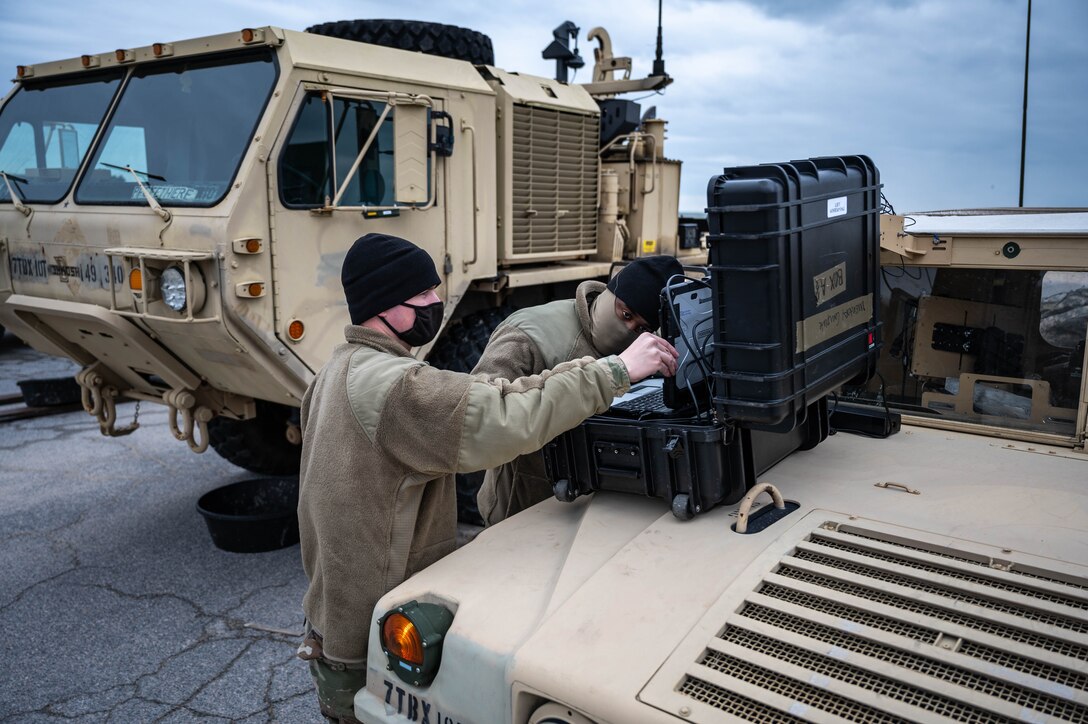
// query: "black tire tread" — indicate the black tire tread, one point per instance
point(258, 444)
point(447, 41)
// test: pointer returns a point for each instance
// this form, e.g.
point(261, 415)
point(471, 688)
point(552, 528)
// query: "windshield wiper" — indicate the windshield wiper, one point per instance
point(16, 197)
point(132, 170)
point(151, 200)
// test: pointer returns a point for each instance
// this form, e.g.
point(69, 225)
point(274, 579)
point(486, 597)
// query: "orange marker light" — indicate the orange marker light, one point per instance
point(296, 329)
point(120, 55)
point(401, 638)
point(256, 289)
point(253, 245)
point(247, 35)
point(136, 280)
point(157, 49)
point(20, 71)
point(86, 60)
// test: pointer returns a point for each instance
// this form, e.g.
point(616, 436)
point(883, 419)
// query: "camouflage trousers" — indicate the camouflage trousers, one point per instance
point(336, 683)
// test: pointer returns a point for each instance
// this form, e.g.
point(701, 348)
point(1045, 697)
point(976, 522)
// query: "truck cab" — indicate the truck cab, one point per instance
point(173, 217)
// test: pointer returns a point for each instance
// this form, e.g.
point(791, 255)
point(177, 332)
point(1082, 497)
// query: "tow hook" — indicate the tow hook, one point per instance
point(99, 400)
point(193, 418)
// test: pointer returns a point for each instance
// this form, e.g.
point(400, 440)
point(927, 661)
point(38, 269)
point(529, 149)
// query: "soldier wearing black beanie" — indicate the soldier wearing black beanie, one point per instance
point(383, 434)
point(639, 285)
point(381, 271)
point(599, 321)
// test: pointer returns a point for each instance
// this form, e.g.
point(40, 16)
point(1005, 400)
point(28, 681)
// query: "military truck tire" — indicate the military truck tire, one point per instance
point(259, 444)
point(459, 350)
point(461, 346)
point(447, 41)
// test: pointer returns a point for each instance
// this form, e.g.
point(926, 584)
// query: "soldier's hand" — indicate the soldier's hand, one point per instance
point(647, 355)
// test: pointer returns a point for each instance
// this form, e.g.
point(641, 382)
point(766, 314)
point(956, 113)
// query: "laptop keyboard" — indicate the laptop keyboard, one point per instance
point(650, 402)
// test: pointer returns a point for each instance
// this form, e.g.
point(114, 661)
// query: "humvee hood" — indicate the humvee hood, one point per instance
point(677, 615)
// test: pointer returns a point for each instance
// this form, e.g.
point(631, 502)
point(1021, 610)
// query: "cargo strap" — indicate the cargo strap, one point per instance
point(99, 400)
point(193, 418)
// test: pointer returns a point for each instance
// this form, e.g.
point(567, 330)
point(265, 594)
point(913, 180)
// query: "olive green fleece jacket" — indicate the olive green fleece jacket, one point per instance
point(526, 343)
point(382, 436)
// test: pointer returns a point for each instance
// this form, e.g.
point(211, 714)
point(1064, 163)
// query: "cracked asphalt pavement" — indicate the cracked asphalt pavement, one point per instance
point(115, 605)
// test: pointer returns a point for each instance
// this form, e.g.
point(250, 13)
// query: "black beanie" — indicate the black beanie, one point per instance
point(639, 285)
point(382, 271)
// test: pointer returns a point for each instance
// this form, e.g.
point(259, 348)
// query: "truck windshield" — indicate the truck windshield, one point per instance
point(46, 129)
point(183, 127)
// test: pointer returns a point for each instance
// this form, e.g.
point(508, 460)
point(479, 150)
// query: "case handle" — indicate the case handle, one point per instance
point(746, 503)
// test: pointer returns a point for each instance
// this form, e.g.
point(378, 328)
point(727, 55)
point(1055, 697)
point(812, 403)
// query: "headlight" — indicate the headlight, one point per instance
point(172, 284)
point(411, 637)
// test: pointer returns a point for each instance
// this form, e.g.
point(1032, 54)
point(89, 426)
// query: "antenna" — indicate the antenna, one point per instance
point(659, 62)
point(1024, 120)
point(559, 50)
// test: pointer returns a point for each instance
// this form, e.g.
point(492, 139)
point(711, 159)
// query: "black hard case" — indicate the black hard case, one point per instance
point(693, 465)
point(776, 231)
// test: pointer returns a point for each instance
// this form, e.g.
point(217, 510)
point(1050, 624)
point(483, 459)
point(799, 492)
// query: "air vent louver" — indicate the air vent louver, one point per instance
point(554, 170)
point(863, 625)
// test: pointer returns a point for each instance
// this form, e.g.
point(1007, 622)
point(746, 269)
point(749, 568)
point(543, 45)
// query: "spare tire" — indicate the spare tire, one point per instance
point(447, 41)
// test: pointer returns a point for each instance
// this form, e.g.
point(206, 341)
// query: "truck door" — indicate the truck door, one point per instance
point(348, 161)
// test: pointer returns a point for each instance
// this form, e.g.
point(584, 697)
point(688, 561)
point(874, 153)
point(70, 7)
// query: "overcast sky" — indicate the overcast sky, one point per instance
point(932, 90)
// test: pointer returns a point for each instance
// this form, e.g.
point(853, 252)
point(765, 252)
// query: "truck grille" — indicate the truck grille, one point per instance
point(863, 625)
point(554, 169)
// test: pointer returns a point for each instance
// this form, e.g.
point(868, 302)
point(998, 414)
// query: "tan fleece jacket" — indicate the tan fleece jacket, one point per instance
point(527, 342)
point(382, 436)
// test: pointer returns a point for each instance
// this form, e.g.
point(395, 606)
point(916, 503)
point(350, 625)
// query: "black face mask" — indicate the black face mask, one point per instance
point(424, 329)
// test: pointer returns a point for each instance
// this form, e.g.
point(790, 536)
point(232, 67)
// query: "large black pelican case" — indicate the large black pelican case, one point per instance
point(694, 465)
point(795, 269)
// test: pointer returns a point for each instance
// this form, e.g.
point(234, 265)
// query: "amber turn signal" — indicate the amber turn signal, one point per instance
point(136, 280)
point(402, 639)
point(296, 329)
point(253, 245)
point(411, 636)
point(256, 289)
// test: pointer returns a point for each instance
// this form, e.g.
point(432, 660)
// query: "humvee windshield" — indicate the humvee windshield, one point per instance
point(995, 347)
point(183, 127)
point(46, 130)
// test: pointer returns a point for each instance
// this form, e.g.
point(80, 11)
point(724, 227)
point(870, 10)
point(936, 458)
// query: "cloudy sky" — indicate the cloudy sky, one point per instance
point(932, 90)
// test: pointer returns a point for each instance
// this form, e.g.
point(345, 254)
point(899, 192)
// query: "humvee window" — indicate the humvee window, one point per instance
point(994, 347)
point(1064, 306)
point(187, 125)
point(305, 176)
point(45, 131)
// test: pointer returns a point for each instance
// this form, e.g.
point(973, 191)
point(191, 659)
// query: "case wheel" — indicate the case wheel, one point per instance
point(681, 507)
point(563, 491)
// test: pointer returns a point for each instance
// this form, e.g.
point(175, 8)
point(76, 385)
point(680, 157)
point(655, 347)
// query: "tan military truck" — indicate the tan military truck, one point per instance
point(939, 573)
point(174, 216)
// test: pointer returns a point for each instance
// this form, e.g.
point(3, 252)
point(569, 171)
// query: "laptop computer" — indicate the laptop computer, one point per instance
point(687, 322)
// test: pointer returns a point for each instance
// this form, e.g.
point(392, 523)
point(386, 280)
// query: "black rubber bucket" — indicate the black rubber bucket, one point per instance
point(51, 392)
point(252, 516)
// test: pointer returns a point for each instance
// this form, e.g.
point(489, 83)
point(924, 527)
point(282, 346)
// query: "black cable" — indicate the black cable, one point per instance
point(690, 343)
point(672, 312)
point(885, 205)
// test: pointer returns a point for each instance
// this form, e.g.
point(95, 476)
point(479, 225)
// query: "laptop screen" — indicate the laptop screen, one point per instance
point(688, 323)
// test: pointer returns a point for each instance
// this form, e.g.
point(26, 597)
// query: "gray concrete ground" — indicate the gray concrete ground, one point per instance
point(115, 605)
